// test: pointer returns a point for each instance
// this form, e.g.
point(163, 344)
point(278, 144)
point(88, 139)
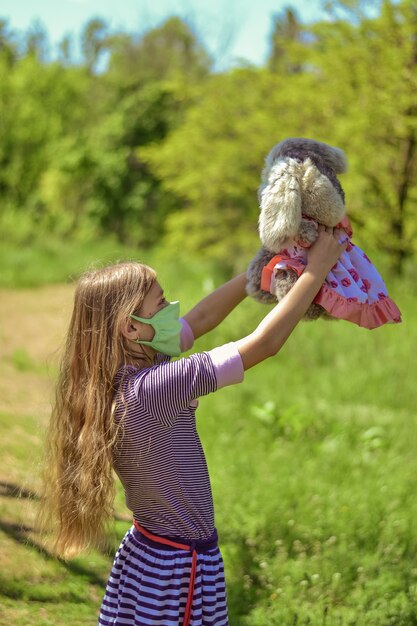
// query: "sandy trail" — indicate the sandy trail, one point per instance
point(33, 323)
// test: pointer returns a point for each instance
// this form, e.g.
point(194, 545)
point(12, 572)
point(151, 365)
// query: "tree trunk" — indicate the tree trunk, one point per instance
point(400, 252)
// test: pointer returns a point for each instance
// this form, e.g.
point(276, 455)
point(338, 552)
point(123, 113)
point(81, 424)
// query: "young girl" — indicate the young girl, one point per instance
point(122, 404)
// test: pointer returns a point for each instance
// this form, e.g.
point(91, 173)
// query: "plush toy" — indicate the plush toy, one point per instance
point(299, 191)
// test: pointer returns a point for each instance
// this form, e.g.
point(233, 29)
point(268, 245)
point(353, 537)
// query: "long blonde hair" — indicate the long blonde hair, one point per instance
point(78, 485)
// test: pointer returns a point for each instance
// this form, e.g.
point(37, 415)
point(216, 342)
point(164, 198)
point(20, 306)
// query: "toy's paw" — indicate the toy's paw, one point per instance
point(282, 282)
point(307, 233)
point(315, 311)
point(254, 274)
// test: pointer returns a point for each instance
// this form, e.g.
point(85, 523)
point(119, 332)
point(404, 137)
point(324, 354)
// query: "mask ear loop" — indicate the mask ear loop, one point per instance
point(148, 359)
point(137, 340)
point(136, 318)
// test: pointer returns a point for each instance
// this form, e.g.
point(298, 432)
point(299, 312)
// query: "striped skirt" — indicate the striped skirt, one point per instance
point(149, 586)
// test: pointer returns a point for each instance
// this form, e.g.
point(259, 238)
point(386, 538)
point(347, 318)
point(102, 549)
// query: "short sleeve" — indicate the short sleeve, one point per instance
point(166, 389)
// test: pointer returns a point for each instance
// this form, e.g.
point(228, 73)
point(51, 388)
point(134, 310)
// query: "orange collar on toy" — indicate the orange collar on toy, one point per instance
point(298, 267)
point(268, 270)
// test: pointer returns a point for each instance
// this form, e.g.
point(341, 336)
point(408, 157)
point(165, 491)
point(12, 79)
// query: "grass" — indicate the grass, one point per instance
point(54, 261)
point(312, 460)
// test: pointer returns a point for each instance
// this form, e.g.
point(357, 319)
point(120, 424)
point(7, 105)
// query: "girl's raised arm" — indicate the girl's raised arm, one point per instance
point(213, 309)
point(271, 334)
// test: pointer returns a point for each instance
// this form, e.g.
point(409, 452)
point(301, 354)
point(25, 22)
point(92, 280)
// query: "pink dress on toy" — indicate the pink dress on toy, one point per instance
point(353, 290)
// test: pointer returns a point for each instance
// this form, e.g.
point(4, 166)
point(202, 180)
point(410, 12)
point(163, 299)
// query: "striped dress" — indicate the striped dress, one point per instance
point(161, 464)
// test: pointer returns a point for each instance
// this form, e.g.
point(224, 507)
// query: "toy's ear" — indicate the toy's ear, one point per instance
point(280, 202)
point(322, 195)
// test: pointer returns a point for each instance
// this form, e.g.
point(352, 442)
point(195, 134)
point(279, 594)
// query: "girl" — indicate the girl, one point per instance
point(122, 404)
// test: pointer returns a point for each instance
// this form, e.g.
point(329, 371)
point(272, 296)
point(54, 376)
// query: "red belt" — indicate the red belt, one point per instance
point(194, 547)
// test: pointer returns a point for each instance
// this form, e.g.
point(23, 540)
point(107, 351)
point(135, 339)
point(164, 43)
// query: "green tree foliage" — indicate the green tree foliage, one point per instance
point(145, 142)
point(94, 40)
point(350, 81)
point(38, 106)
point(213, 159)
point(126, 198)
point(8, 45)
point(368, 69)
point(69, 134)
point(144, 93)
point(169, 51)
point(287, 31)
point(36, 41)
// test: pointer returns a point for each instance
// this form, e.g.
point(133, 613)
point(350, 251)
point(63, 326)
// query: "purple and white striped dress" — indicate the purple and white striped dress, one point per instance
point(161, 464)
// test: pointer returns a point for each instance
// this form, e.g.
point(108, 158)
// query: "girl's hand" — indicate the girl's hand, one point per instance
point(273, 331)
point(326, 250)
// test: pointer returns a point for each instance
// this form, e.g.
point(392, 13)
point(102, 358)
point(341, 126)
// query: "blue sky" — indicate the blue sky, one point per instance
point(230, 29)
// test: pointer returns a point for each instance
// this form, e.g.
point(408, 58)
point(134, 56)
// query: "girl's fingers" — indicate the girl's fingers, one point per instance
point(328, 229)
point(338, 233)
point(341, 236)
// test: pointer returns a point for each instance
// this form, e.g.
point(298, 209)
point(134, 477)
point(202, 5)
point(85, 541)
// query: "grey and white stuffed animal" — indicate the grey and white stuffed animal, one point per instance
point(299, 190)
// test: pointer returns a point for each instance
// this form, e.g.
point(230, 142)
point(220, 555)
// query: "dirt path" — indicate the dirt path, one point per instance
point(32, 328)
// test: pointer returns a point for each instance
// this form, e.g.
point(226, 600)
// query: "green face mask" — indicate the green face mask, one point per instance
point(167, 328)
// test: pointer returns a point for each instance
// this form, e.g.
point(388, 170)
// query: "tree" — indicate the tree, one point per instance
point(94, 40)
point(368, 69)
point(144, 93)
point(8, 44)
point(167, 52)
point(40, 103)
point(127, 200)
point(213, 160)
point(287, 31)
point(69, 135)
point(36, 42)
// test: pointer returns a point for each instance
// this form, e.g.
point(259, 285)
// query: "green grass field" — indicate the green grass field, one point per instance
point(312, 459)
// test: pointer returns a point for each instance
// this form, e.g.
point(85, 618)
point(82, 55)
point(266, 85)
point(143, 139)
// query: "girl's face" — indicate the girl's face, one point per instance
point(154, 301)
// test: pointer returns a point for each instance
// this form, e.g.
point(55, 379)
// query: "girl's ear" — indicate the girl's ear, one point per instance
point(280, 201)
point(129, 330)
